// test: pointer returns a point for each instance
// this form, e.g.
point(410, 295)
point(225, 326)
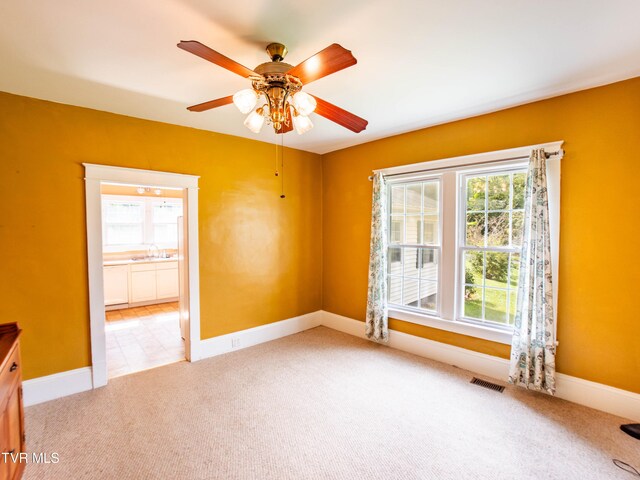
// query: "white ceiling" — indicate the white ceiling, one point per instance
point(419, 62)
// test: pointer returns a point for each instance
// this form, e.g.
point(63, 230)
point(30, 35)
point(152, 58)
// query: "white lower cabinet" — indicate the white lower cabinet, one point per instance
point(167, 280)
point(116, 284)
point(140, 282)
point(143, 286)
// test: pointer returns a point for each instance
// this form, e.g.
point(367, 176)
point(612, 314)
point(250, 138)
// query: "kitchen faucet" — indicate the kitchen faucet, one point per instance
point(153, 251)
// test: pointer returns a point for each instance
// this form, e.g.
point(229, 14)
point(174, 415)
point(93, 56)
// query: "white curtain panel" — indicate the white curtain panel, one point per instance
point(533, 344)
point(377, 321)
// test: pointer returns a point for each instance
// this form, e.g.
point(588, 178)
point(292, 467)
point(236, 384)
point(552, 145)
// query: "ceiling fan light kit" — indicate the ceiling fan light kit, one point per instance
point(245, 100)
point(276, 96)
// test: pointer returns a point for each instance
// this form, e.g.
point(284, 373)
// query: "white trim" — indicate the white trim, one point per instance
point(62, 384)
point(192, 347)
point(451, 172)
point(595, 395)
point(599, 396)
point(463, 328)
point(472, 160)
point(212, 347)
point(591, 394)
point(58, 385)
point(137, 176)
point(94, 176)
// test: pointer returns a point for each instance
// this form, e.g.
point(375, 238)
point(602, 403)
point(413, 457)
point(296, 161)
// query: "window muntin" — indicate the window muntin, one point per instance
point(489, 247)
point(413, 271)
point(124, 222)
point(133, 223)
point(165, 222)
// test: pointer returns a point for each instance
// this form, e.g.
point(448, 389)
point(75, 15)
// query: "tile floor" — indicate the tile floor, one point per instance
point(143, 337)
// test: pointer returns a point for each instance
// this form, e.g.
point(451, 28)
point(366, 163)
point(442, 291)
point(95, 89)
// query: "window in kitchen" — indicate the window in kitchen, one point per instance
point(123, 222)
point(133, 223)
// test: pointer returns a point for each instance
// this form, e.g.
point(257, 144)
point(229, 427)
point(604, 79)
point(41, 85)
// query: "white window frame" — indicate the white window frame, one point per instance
point(451, 171)
point(461, 246)
point(147, 221)
point(438, 247)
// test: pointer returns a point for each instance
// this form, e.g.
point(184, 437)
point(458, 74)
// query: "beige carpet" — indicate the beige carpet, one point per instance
point(321, 405)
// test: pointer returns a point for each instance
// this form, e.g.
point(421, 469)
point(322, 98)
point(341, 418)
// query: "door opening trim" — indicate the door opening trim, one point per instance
point(94, 176)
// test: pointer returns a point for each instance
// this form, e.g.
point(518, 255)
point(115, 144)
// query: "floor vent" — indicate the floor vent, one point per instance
point(489, 385)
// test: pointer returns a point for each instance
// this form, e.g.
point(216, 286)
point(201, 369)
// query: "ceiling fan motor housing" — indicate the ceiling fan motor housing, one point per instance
point(277, 51)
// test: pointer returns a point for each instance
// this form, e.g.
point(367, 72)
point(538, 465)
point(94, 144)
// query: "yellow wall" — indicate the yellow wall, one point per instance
point(260, 256)
point(599, 307)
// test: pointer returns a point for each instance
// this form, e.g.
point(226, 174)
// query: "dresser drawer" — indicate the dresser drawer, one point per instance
point(10, 374)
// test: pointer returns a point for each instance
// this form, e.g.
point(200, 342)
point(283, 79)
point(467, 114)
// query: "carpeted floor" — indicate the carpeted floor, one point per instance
point(321, 405)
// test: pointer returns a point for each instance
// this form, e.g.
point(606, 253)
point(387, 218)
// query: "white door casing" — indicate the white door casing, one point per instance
point(94, 176)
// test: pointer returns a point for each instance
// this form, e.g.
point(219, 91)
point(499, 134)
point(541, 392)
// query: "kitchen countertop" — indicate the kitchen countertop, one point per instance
point(128, 261)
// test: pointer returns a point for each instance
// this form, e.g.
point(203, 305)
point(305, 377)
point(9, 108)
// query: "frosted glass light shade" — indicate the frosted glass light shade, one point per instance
point(254, 122)
point(245, 100)
point(302, 124)
point(304, 103)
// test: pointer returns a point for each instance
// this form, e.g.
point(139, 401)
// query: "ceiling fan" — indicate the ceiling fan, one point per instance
point(279, 85)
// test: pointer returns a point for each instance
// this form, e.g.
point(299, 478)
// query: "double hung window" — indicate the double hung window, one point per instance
point(133, 223)
point(454, 240)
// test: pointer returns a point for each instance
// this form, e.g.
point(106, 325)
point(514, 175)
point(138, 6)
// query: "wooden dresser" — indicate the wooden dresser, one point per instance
point(11, 410)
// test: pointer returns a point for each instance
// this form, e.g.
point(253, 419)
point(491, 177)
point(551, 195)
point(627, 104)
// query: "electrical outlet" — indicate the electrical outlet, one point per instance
point(235, 342)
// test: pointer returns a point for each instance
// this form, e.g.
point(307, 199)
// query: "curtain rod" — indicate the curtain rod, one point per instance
point(546, 154)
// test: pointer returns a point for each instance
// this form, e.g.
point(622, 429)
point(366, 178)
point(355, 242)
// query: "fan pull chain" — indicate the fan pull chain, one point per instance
point(282, 165)
point(277, 173)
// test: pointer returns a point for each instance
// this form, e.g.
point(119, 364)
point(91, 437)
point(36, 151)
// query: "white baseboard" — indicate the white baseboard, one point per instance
point(54, 386)
point(599, 396)
point(253, 336)
point(59, 385)
point(595, 395)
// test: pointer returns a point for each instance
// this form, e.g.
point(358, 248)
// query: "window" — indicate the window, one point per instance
point(414, 245)
point(165, 225)
point(133, 223)
point(454, 237)
point(493, 210)
point(123, 222)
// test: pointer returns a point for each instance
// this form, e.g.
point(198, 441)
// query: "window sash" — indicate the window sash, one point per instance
point(462, 247)
point(419, 245)
point(147, 223)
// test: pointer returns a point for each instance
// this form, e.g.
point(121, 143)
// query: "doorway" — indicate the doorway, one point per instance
point(142, 260)
point(142, 246)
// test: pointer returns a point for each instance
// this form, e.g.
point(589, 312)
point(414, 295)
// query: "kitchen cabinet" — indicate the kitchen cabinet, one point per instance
point(116, 284)
point(141, 283)
point(167, 280)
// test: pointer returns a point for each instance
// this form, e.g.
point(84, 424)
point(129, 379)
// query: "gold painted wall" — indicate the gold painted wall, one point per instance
point(260, 256)
point(598, 311)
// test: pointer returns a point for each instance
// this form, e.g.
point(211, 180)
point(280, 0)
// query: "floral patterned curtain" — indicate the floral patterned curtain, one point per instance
point(376, 321)
point(533, 344)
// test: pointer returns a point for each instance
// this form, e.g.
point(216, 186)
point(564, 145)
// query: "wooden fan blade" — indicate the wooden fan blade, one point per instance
point(219, 102)
point(205, 52)
point(330, 60)
point(340, 116)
